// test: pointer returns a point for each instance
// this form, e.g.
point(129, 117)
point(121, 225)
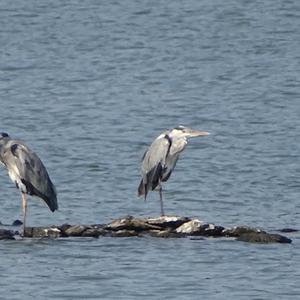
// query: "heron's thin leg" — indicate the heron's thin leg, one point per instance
point(24, 207)
point(161, 200)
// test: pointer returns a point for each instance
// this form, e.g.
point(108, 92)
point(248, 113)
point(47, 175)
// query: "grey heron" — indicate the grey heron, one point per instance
point(161, 157)
point(27, 171)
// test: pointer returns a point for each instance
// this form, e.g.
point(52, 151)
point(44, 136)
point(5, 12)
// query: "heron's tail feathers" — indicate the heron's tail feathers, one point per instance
point(150, 180)
point(51, 202)
point(142, 190)
point(50, 197)
point(48, 194)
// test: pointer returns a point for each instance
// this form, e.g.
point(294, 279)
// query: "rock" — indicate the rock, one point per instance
point(76, 230)
point(17, 223)
point(196, 227)
point(94, 232)
point(190, 227)
point(263, 237)
point(239, 230)
point(130, 223)
point(165, 234)
point(168, 221)
point(211, 230)
point(52, 232)
point(6, 234)
point(163, 227)
point(63, 229)
point(123, 233)
point(41, 232)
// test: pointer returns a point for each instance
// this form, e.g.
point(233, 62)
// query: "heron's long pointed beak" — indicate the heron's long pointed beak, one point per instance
point(195, 133)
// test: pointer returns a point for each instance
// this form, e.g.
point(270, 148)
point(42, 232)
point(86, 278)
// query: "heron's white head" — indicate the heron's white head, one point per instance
point(185, 132)
point(3, 140)
point(3, 136)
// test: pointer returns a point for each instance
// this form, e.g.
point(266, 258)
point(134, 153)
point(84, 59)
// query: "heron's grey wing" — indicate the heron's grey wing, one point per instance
point(153, 164)
point(178, 145)
point(155, 154)
point(32, 173)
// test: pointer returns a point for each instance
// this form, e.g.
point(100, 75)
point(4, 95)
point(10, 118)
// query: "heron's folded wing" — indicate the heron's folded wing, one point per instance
point(154, 161)
point(33, 173)
point(156, 154)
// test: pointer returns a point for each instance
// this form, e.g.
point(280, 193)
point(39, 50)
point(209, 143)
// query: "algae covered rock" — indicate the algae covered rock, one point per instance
point(263, 238)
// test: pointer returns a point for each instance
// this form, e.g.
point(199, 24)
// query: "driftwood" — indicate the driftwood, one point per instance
point(163, 227)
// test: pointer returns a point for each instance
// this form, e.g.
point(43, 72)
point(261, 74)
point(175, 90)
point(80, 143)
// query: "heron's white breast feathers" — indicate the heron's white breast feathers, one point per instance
point(178, 145)
point(15, 177)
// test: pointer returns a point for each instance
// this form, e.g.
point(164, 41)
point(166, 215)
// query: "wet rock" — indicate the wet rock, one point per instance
point(165, 234)
point(94, 232)
point(163, 227)
point(171, 222)
point(42, 232)
point(239, 230)
point(211, 230)
point(190, 227)
point(6, 234)
point(52, 232)
point(254, 235)
point(63, 229)
point(263, 237)
point(130, 223)
point(76, 230)
point(196, 227)
point(17, 223)
point(123, 233)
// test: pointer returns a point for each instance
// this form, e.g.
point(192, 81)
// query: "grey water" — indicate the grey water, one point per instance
point(88, 84)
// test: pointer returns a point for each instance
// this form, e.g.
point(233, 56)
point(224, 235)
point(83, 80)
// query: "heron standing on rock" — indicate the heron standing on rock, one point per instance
point(160, 159)
point(27, 171)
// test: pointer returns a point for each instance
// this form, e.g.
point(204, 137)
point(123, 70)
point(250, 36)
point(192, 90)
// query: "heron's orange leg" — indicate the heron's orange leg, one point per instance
point(24, 208)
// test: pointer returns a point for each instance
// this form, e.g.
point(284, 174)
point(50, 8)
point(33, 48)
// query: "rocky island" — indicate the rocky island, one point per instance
point(160, 227)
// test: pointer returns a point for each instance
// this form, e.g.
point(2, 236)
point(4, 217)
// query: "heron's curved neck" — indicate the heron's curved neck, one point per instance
point(176, 137)
point(167, 137)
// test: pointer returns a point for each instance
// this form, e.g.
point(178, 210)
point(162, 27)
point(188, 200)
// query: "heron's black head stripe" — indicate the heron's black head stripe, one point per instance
point(180, 127)
point(3, 135)
point(13, 149)
point(170, 143)
point(167, 137)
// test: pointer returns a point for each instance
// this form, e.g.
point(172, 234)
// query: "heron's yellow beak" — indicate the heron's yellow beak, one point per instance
point(195, 133)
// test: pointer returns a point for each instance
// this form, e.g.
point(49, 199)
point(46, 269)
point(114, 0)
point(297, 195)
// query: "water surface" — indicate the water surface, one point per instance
point(88, 84)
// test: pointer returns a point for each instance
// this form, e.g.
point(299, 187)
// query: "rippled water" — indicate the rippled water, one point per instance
point(89, 84)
